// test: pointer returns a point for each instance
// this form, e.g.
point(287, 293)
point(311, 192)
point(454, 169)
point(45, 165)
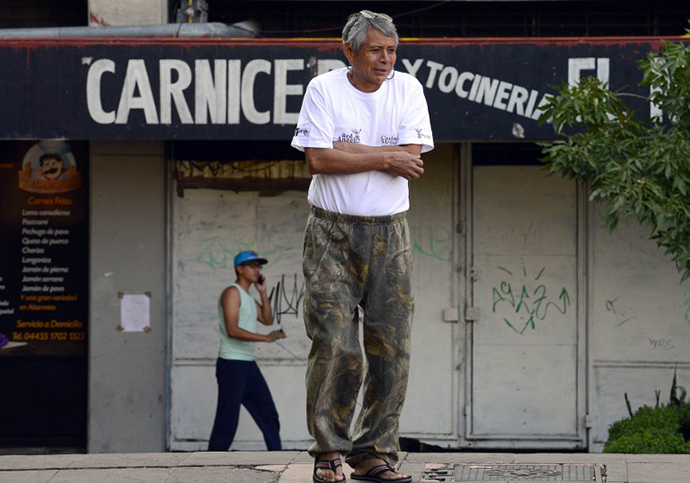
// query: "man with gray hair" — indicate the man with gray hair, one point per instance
point(362, 129)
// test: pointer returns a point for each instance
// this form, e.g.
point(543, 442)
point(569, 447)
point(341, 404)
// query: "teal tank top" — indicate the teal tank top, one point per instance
point(235, 349)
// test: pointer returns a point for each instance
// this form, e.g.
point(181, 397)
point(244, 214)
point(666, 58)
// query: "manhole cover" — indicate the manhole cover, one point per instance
point(505, 472)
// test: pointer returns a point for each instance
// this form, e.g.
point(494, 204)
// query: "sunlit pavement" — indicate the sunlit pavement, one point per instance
point(296, 467)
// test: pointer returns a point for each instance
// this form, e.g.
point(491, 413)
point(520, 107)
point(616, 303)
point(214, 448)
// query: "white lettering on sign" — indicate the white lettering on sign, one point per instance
point(578, 64)
point(434, 67)
point(234, 75)
point(210, 91)
point(495, 93)
point(137, 78)
point(254, 67)
point(220, 89)
point(224, 90)
point(327, 65)
point(412, 68)
point(656, 114)
point(93, 91)
point(448, 79)
point(282, 89)
point(172, 93)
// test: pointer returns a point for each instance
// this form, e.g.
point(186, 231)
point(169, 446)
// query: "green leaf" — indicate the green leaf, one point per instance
point(636, 168)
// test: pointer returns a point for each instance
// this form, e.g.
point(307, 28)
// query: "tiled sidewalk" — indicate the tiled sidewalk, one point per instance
point(296, 467)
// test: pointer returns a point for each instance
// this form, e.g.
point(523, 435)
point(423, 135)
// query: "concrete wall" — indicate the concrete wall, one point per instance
point(634, 311)
point(431, 404)
point(525, 388)
point(209, 227)
point(639, 324)
point(128, 12)
point(127, 370)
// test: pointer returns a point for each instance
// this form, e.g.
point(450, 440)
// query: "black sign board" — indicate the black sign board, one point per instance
point(43, 292)
point(252, 89)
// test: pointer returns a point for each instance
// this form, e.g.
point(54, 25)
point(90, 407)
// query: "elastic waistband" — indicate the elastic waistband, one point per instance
point(368, 220)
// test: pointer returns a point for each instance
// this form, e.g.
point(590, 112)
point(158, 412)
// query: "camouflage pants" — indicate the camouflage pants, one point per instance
point(350, 261)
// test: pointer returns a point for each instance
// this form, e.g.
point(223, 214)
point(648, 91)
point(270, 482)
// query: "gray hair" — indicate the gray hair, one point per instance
point(358, 24)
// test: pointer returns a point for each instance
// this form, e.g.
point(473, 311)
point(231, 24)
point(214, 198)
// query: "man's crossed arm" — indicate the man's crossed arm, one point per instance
point(351, 158)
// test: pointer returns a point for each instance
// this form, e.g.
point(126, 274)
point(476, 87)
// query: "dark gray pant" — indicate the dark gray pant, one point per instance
point(350, 261)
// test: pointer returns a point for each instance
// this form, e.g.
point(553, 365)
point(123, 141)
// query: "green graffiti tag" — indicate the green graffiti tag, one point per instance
point(217, 254)
point(433, 242)
point(530, 300)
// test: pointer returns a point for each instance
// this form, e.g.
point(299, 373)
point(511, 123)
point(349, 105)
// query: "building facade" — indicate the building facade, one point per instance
point(532, 322)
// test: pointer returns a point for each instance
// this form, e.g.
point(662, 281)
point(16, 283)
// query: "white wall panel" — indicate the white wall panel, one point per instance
point(639, 381)
point(194, 404)
point(429, 407)
point(128, 12)
point(640, 323)
point(531, 391)
point(520, 210)
point(640, 311)
point(127, 370)
point(210, 227)
point(525, 344)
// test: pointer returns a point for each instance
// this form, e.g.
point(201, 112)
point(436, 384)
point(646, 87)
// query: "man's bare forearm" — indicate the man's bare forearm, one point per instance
point(336, 161)
point(356, 148)
point(394, 160)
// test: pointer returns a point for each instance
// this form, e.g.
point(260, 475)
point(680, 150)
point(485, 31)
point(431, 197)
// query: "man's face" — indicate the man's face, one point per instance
point(374, 62)
point(251, 271)
point(51, 168)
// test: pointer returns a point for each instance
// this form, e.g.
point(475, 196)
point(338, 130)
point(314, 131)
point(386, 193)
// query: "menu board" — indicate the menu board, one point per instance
point(43, 248)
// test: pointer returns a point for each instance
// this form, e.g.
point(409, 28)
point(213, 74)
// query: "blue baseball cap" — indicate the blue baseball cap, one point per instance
point(248, 256)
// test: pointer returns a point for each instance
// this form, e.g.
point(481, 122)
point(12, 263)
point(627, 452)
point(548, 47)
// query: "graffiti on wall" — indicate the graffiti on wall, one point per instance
point(433, 242)
point(523, 303)
point(661, 344)
point(622, 313)
point(217, 253)
point(286, 298)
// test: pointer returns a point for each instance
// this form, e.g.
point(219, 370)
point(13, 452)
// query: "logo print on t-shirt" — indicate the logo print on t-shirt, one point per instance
point(389, 140)
point(421, 135)
point(350, 138)
point(301, 131)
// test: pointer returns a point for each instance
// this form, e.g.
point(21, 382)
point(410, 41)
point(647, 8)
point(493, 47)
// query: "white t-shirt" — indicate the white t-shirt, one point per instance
point(334, 110)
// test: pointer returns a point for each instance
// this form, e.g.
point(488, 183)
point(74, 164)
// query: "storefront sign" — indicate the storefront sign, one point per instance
point(244, 90)
point(43, 248)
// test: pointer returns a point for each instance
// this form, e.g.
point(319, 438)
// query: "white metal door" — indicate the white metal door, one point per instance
point(524, 384)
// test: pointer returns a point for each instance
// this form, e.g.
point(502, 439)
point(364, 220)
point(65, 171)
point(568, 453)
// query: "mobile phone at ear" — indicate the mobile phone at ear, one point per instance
point(261, 279)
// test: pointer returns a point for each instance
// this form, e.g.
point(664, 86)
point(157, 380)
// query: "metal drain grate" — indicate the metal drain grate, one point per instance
point(462, 472)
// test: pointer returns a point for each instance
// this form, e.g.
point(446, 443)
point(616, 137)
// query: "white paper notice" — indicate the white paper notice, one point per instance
point(134, 313)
